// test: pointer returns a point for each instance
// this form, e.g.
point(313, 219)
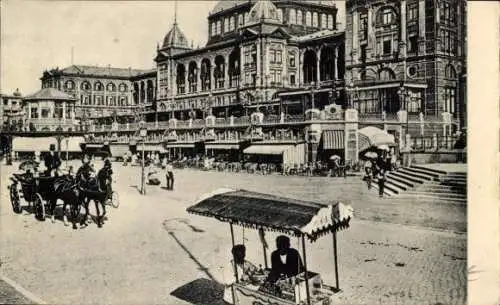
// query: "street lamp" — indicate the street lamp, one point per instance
point(143, 131)
point(351, 88)
point(312, 96)
point(403, 93)
point(67, 153)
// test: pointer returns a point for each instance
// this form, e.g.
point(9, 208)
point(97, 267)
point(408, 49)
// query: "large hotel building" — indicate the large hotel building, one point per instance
point(279, 79)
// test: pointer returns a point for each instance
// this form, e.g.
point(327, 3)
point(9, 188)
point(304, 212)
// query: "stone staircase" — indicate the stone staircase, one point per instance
point(426, 183)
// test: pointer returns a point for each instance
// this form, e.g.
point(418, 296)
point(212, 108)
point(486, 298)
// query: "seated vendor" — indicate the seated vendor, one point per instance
point(245, 271)
point(285, 261)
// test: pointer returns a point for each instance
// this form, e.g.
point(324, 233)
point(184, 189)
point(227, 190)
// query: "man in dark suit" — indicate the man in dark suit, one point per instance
point(285, 261)
point(52, 161)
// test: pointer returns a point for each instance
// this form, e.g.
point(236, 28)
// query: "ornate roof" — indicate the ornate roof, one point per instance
point(175, 38)
point(263, 10)
point(97, 71)
point(49, 94)
point(223, 5)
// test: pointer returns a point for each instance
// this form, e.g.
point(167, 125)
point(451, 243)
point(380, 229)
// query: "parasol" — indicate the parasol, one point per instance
point(383, 147)
point(371, 154)
point(335, 157)
point(28, 165)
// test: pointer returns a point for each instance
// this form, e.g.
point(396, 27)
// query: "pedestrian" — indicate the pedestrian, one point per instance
point(381, 182)
point(169, 170)
point(368, 173)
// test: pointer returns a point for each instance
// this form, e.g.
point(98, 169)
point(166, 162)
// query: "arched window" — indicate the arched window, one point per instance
point(308, 19)
point(299, 17)
point(330, 22)
point(98, 86)
point(231, 23)
point(70, 85)
point(214, 29)
point(85, 86)
point(123, 87)
point(226, 25)
point(292, 16)
point(219, 27)
point(111, 87)
point(315, 20)
point(324, 21)
point(385, 16)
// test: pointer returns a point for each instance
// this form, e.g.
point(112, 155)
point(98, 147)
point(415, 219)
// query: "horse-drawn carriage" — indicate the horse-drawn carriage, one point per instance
point(42, 192)
point(39, 191)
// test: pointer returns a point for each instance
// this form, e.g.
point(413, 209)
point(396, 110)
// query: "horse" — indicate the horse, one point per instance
point(63, 188)
point(98, 190)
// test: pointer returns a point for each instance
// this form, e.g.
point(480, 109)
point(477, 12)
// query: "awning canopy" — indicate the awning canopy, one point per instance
point(180, 145)
point(373, 137)
point(257, 210)
point(30, 144)
point(73, 144)
point(93, 146)
point(119, 150)
point(333, 139)
point(150, 147)
point(226, 146)
point(266, 149)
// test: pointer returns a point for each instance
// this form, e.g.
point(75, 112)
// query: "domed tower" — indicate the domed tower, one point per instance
point(175, 42)
point(263, 11)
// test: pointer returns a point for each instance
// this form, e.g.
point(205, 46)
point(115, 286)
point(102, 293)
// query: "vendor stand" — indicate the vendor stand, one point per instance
point(288, 216)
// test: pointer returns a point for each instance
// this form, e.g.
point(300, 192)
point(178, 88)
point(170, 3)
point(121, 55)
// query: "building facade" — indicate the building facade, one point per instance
point(50, 110)
point(409, 56)
point(11, 111)
point(102, 93)
point(278, 78)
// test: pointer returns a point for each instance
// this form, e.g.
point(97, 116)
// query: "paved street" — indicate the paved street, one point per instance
point(151, 251)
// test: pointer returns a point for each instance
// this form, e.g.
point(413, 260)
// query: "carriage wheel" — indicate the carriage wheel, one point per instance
point(39, 207)
point(14, 199)
point(115, 199)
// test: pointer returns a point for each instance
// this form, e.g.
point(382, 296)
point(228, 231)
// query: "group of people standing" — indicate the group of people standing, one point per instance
point(377, 168)
point(166, 168)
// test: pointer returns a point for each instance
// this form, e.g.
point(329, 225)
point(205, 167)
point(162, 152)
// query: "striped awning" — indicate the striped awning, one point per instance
point(73, 144)
point(226, 146)
point(273, 213)
point(31, 144)
point(266, 149)
point(333, 139)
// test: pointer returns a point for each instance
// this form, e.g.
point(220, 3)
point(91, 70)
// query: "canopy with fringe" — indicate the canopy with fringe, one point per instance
point(273, 213)
point(373, 137)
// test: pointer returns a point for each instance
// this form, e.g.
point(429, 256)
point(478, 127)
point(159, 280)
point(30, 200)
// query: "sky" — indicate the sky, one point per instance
point(39, 35)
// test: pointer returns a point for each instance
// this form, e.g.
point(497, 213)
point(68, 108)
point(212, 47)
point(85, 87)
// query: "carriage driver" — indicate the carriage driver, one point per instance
point(84, 172)
point(52, 162)
point(105, 173)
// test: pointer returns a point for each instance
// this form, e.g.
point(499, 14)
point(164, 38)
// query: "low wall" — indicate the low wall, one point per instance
point(445, 156)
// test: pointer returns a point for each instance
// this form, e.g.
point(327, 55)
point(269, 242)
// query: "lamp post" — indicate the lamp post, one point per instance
point(67, 153)
point(403, 92)
point(143, 131)
point(351, 97)
point(312, 96)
